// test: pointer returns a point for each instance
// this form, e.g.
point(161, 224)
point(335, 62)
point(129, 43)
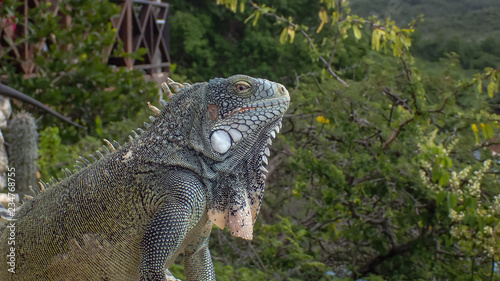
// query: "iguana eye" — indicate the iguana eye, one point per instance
point(242, 86)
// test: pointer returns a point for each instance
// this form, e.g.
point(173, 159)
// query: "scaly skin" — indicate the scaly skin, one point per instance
point(129, 215)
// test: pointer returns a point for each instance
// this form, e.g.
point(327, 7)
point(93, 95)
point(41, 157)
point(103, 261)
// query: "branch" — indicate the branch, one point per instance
point(398, 100)
point(371, 264)
point(395, 133)
point(328, 67)
point(441, 109)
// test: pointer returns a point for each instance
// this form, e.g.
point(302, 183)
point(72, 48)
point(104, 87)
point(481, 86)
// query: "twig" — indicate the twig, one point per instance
point(441, 109)
point(407, 69)
point(328, 67)
point(398, 100)
point(390, 115)
point(297, 78)
point(261, 264)
point(332, 54)
point(395, 133)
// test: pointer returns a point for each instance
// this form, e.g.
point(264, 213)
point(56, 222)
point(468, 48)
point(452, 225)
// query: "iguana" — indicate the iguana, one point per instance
point(129, 214)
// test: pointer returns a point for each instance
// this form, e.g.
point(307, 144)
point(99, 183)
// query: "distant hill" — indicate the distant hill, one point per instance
point(469, 28)
point(475, 20)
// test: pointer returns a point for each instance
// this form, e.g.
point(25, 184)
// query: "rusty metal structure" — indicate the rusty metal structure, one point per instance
point(141, 24)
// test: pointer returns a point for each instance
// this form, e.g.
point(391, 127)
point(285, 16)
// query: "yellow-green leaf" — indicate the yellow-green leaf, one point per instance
point(406, 41)
point(491, 89)
point(376, 39)
point(234, 6)
point(323, 15)
point(476, 132)
point(324, 19)
point(335, 17)
point(320, 27)
point(250, 17)
point(257, 14)
point(329, 3)
point(488, 131)
point(283, 35)
point(357, 32)
point(480, 85)
point(291, 33)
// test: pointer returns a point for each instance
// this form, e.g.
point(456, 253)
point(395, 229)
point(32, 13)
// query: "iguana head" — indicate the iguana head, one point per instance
point(245, 114)
point(221, 130)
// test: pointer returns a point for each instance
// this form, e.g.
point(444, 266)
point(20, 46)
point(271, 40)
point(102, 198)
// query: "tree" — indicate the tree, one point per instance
point(72, 72)
point(382, 177)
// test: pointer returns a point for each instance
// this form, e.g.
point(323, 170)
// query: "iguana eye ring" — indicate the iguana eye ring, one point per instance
point(242, 86)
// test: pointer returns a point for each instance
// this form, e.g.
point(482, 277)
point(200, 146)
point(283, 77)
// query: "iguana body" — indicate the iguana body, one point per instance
point(128, 215)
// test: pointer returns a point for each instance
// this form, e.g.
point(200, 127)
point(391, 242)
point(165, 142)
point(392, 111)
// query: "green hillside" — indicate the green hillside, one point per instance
point(469, 28)
point(471, 20)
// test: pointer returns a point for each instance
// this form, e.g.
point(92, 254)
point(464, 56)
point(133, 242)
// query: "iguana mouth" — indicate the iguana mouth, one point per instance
point(240, 110)
point(266, 103)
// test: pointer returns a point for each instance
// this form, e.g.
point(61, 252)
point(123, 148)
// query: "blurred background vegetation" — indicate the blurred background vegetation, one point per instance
point(384, 168)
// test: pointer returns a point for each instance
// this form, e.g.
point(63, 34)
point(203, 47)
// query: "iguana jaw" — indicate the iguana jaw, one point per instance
point(243, 122)
point(242, 207)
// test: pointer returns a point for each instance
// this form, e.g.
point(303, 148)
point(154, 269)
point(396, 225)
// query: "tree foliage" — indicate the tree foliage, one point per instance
point(382, 174)
point(72, 73)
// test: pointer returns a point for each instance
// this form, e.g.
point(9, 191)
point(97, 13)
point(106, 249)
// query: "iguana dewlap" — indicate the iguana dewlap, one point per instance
point(128, 215)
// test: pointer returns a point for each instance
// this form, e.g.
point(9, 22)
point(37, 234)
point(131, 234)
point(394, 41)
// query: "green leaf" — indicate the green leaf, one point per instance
point(436, 174)
point(444, 179)
point(451, 200)
point(440, 197)
point(488, 131)
point(98, 126)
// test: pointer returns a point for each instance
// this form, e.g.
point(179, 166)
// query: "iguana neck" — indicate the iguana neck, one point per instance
point(175, 138)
